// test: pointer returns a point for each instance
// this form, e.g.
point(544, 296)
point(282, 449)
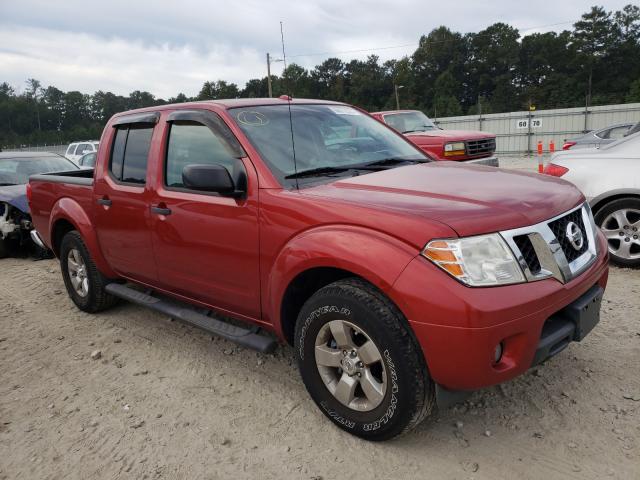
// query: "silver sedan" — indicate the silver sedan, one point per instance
point(602, 137)
point(610, 179)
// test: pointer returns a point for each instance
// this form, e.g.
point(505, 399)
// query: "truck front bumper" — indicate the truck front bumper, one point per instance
point(459, 328)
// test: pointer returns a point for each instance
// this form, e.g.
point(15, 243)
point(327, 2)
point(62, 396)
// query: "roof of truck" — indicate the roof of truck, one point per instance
point(235, 103)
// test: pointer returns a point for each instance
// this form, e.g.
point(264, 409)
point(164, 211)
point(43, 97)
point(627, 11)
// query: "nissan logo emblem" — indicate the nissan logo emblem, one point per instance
point(574, 235)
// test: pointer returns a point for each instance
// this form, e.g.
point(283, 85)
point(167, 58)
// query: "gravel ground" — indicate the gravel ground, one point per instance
point(129, 394)
point(164, 400)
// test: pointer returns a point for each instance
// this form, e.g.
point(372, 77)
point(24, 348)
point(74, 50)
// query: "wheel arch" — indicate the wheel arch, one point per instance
point(67, 215)
point(323, 256)
point(601, 200)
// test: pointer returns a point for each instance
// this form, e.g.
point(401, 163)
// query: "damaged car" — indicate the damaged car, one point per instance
point(15, 218)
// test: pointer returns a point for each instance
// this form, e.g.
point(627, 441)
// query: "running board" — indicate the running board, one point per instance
point(185, 313)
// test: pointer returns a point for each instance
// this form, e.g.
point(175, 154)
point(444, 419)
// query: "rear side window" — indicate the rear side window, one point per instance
point(192, 143)
point(71, 149)
point(130, 153)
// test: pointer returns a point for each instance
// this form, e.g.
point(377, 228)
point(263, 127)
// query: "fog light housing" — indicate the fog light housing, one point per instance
point(497, 353)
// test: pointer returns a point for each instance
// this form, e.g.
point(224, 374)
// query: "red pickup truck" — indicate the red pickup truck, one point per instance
point(455, 145)
point(402, 283)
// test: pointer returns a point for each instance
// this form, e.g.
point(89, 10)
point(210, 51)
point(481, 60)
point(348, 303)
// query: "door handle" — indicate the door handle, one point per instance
point(104, 201)
point(160, 210)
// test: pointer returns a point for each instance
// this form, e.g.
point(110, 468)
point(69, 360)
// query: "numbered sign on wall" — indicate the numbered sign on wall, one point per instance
point(535, 123)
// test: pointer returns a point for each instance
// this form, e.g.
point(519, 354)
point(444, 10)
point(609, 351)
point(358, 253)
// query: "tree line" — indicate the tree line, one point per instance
point(450, 73)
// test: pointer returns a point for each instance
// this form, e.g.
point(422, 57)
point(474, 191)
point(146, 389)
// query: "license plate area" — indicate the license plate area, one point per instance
point(584, 312)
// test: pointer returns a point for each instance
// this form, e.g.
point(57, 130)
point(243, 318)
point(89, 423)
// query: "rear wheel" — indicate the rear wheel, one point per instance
point(360, 363)
point(84, 283)
point(619, 220)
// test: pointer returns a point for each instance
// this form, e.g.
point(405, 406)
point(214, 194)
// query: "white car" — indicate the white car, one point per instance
point(609, 177)
point(77, 149)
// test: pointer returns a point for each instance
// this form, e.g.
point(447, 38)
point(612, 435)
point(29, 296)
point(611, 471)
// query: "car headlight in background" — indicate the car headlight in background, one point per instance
point(454, 148)
point(481, 261)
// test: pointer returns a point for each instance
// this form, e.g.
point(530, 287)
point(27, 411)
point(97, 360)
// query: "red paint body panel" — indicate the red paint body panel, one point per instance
point(239, 255)
point(459, 327)
point(432, 142)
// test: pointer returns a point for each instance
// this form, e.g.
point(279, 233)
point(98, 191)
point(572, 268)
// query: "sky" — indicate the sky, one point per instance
point(171, 47)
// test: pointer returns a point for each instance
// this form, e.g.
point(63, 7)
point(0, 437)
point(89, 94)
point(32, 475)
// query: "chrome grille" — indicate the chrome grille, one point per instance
point(485, 146)
point(559, 228)
point(543, 250)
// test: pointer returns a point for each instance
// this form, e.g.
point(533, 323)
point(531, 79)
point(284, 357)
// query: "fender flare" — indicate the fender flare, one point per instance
point(349, 248)
point(71, 211)
point(604, 198)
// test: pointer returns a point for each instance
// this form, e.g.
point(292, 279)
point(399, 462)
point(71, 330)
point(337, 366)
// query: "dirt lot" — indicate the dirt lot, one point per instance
point(167, 401)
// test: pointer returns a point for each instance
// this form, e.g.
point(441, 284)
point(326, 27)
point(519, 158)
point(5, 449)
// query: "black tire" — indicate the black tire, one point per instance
point(410, 393)
point(600, 217)
point(96, 299)
point(4, 251)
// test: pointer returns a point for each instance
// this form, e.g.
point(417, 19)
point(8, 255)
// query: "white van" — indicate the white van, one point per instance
point(76, 149)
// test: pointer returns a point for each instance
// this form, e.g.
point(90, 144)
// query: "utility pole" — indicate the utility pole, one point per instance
point(397, 87)
point(269, 62)
point(269, 75)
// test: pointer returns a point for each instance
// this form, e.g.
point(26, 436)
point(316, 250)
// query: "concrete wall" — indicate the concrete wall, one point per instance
point(546, 125)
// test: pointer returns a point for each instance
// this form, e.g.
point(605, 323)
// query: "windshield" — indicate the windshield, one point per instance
point(328, 139)
point(16, 171)
point(406, 122)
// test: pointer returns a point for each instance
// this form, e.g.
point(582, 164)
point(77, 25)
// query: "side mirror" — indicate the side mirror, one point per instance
point(210, 178)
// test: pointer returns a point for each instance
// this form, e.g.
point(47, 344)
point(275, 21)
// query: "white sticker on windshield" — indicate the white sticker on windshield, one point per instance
point(341, 110)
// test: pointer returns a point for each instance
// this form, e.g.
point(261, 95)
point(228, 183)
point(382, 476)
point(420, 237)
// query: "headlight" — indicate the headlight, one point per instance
point(454, 148)
point(480, 261)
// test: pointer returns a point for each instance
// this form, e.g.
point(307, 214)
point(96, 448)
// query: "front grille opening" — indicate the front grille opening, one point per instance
point(559, 229)
point(486, 146)
point(523, 242)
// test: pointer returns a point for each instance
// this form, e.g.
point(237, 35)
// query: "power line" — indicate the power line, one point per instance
point(414, 44)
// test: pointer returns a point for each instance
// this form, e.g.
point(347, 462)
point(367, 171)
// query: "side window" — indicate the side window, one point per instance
point(618, 132)
point(192, 143)
point(89, 160)
point(71, 149)
point(130, 152)
point(82, 147)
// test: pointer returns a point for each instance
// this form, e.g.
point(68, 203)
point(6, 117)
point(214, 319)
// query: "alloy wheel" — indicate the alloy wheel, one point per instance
point(350, 365)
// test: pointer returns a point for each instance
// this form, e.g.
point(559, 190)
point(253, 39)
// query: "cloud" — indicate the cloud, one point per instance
point(167, 48)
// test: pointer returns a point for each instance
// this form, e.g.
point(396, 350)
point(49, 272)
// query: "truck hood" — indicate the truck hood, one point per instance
point(451, 135)
point(470, 199)
point(15, 195)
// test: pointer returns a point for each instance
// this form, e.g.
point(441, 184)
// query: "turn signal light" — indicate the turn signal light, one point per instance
point(555, 170)
point(568, 145)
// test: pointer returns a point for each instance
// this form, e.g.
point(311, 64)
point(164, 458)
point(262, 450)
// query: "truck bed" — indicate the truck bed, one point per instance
point(73, 177)
point(51, 189)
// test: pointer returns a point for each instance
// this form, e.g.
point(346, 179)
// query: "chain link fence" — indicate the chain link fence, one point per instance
point(59, 149)
point(520, 132)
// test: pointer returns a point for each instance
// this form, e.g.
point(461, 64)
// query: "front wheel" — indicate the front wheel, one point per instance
point(360, 363)
point(619, 220)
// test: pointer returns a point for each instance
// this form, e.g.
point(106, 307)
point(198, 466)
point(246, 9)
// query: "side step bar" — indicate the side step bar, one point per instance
point(243, 336)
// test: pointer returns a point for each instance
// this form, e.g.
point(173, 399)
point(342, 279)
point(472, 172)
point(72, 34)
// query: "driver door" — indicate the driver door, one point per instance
point(206, 244)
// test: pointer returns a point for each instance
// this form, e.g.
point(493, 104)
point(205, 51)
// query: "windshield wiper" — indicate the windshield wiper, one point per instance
point(7, 184)
point(425, 128)
point(392, 161)
point(312, 172)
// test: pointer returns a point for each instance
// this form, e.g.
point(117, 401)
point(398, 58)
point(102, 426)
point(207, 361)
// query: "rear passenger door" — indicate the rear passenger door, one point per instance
point(122, 199)
point(206, 244)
